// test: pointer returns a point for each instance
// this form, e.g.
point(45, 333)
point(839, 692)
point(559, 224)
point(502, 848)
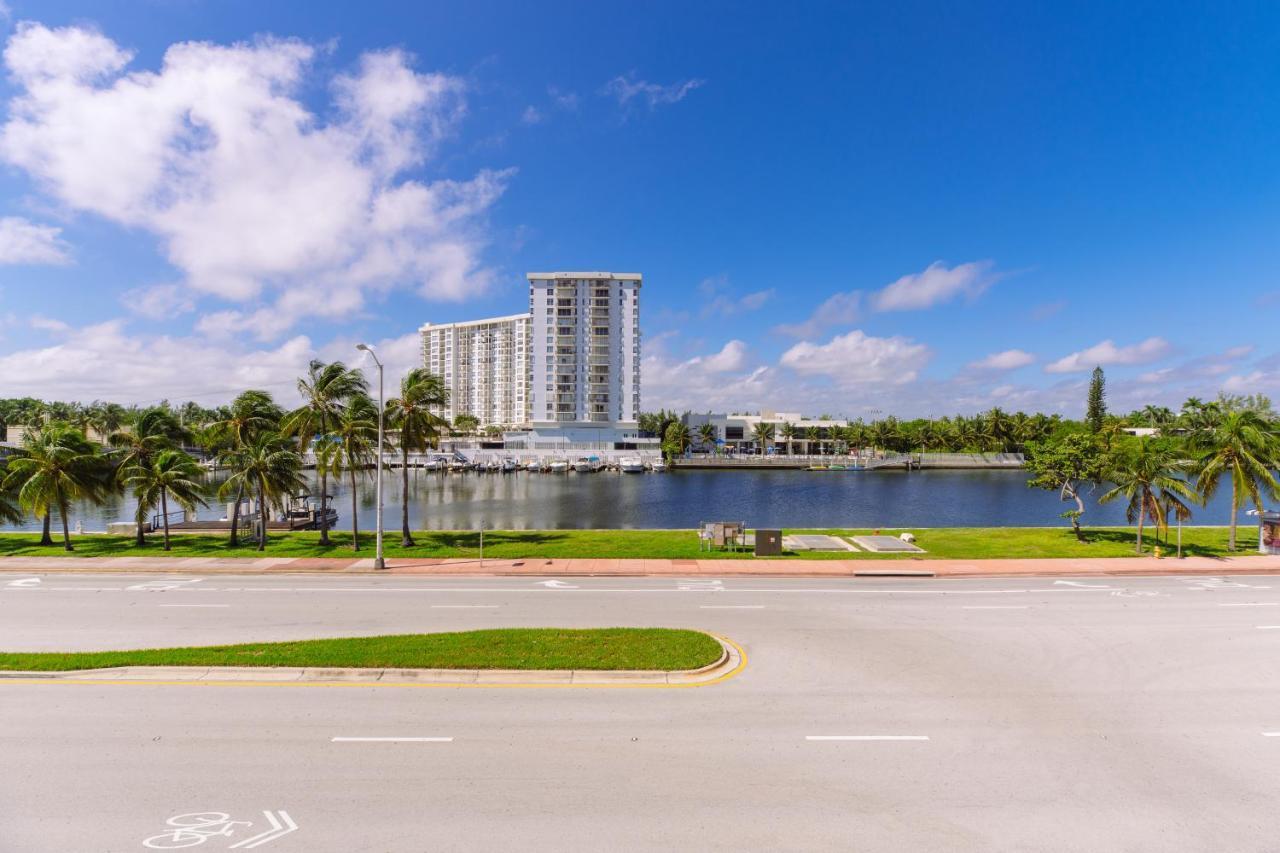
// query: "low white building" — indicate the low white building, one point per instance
point(736, 432)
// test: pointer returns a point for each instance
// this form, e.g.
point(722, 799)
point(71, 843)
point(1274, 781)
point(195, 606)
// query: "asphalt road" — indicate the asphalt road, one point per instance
point(1125, 714)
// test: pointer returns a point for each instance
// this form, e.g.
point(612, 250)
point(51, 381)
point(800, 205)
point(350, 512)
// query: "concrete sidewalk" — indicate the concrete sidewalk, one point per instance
point(543, 567)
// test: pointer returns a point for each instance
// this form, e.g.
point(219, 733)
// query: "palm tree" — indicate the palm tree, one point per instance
point(57, 465)
point(170, 473)
point(250, 414)
point(762, 432)
point(269, 468)
point(788, 433)
point(708, 435)
point(1241, 447)
point(811, 437)
point(135, 444)
point(1148, 475)
point(412, 414)
point(325, 390)
point(10, 509)
point(351, 449)
point(676, 440)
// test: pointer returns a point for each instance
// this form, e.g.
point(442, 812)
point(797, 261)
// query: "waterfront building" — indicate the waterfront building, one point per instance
point(485, 365)
point(736, 432)
point(585, 349)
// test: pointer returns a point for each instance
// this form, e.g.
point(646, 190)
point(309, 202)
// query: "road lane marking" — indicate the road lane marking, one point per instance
point(281, 825)
point(731, 606)
point(391, 740)
point(461, 606)
point(24, 583)
point(195, 605)
point(1268, 627)
point(1271, 734)
point(556, 584)
point(1252, 604)
point(995, 606)
point(866, 737)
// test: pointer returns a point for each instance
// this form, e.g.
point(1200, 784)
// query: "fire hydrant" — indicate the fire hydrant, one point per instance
point(1157, 552)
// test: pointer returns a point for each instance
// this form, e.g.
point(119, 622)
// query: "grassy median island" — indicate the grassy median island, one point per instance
point(961, 543)
point(505, 648)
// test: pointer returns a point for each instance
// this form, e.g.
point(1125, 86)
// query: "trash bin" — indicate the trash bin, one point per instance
point(768, 543)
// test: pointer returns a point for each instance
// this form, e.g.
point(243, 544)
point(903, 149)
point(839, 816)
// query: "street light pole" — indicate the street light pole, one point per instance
point(378, 561)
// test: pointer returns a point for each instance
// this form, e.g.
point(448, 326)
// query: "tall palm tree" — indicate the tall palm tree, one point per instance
point(708, 435)
point(1241, 447)
point(811, 437)
point(325, 391)
point(251, 413)
point(10, 509)
point(762, 432)
point(135, 444)
point(788, 433)
point(351, 449)
point(412, 415)
point(170, 474)
point(56, 466)
point(270, 469)
point(1149, 476)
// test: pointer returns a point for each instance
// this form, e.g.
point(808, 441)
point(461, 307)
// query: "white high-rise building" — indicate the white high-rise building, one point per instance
point(584, 348)
point(485, 365)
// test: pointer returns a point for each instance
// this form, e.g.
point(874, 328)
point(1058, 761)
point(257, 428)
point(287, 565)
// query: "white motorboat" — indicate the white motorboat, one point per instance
point(558, 466)
point(631, 465)
point(588, 464)
point(459, 465)
point(659, 465)
point(510, 464)
point(533, 465)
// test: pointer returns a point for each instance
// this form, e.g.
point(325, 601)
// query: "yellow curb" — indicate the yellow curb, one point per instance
point(742, 664)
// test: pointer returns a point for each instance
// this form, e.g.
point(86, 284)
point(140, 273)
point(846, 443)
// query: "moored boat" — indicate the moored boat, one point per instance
point(631, 465)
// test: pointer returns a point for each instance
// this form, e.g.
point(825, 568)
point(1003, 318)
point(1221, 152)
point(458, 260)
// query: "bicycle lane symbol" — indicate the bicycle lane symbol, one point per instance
point(195, 828)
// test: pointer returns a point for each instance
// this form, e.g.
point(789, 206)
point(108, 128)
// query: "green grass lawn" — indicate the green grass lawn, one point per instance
point(952, 542)
point(508, 648)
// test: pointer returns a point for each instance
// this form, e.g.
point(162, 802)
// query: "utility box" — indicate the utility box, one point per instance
point(768, 543)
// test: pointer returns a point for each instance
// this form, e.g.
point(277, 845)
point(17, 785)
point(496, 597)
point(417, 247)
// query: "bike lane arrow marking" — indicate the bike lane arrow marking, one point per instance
point(279, 828)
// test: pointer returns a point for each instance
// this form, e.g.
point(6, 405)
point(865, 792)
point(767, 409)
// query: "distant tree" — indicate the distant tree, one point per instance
point(708, 435)
point(168, 474)
point(812, 436)
point(269, 468)
point(251, 414)
point(762, 432)
point(676, 440)
point(788, 433)
point(1096, 408)
point(353, 448)
point(1065, 467)
point(466, 424)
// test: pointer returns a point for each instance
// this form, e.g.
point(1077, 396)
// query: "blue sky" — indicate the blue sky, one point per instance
point(917, 208)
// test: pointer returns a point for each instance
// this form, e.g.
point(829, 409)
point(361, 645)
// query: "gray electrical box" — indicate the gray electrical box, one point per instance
point(768, 543)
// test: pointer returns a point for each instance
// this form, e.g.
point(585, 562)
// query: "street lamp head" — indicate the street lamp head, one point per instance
point(364, 347)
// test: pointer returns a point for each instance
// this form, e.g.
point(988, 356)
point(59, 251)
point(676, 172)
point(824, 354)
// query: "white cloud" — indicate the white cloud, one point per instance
point(838, 310)
point(564, 100)
point(254, 196)
point(531, 115)
point(721, 301)
point(1107, 353)
point(856, 358)
point(158, 302)
point(1010, 359)
point(47, 324)
point(935, 285)
point(5, 12)
point(627, 88)
point(109, 361)
point(25, 242)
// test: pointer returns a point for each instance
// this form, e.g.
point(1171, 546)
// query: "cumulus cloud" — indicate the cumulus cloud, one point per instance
point(108, 361)
point(1107, 353)
point(856, 358)
point(252, 195)
point(531, 115)
point(628, 88)
point(1010, 359)
point(25, 242)
point(838, 310)
point(935, 285)
point(159, 301)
